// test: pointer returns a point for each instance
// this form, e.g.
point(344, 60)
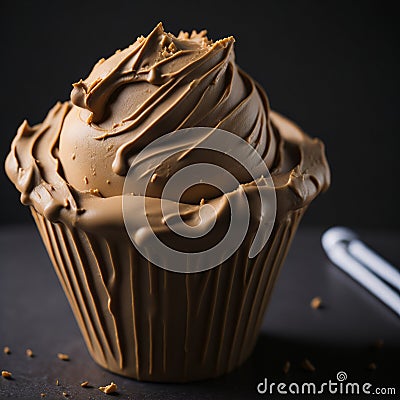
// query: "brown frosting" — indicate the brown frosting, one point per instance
point(71, 167)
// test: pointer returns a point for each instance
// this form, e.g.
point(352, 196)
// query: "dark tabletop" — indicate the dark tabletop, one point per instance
point(337, 337)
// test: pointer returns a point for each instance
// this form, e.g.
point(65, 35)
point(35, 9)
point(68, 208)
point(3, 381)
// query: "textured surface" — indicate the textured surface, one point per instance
point(34, 314)
point(144, 322)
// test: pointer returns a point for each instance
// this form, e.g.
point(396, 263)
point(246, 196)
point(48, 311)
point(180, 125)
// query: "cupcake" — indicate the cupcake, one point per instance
point(139, 315)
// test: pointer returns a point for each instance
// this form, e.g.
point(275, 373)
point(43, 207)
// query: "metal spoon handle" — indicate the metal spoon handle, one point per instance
point(336, 242)
point(375, 262)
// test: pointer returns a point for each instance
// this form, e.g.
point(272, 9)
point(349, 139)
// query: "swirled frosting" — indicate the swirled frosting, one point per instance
point(71, 167)
point(159, 84)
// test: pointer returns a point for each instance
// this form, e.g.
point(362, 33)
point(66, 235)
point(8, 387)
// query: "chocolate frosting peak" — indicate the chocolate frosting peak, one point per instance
point(158, 59)
point(157, 85)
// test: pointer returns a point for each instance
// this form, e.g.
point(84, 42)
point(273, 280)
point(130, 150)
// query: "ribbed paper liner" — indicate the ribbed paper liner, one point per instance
point(147, 323)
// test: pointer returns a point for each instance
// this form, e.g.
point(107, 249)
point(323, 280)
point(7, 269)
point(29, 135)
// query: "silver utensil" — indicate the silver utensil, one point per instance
point(370, 270)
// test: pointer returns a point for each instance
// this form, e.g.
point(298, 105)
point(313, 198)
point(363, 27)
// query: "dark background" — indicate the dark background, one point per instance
point(332, 66)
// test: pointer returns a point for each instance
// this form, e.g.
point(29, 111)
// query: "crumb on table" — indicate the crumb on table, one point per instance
point(286, 367)
point(29, 353)
point(372, 366)
point(316, 302)
point(6, 374)
point(307, 365)
point(111, 388)
point(63, 357)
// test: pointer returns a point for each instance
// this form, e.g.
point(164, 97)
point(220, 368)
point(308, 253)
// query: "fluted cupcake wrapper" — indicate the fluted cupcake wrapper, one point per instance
point(148, 323)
